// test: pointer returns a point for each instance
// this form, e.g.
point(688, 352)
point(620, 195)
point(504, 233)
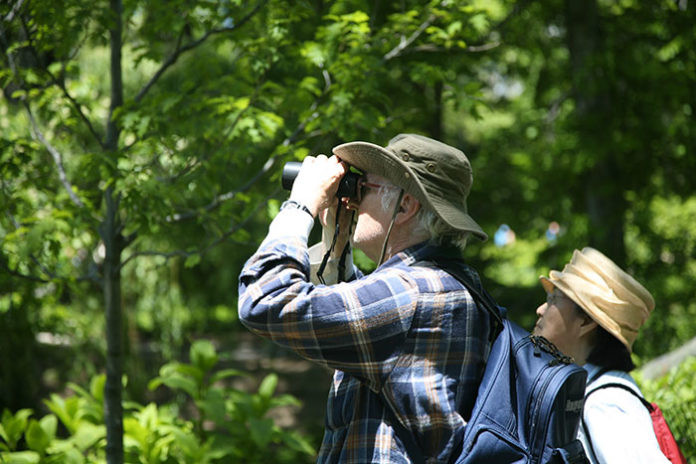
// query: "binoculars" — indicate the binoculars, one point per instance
point(348, 187)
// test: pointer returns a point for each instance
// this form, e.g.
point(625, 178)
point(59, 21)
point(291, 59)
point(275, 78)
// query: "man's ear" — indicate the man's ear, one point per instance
point(408, 209)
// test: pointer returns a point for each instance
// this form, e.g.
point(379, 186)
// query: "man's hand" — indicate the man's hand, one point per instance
point(317, 182)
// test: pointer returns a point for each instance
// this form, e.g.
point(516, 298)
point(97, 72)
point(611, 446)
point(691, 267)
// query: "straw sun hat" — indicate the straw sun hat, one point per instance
point(437, 174)
point(611, 297)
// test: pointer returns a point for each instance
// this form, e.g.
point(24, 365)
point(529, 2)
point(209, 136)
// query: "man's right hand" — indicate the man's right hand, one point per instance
point(317, 182)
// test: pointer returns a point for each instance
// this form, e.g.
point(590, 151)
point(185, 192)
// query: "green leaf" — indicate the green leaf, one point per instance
point(49, 424)
point(185, 440)
point(192, 261)
point(298, 443)
point(14, 426)
point(67, 410)
point(180, 383)
point(213, 406)
point(261, 431)
point(37, 438)
point(87, 435)
point(268, 386)
point(223, 374)
point(20, 457)
point(96, 387)
point(203, 355)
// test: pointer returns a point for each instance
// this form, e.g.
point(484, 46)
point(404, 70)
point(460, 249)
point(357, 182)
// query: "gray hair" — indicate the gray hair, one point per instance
point(428, 223)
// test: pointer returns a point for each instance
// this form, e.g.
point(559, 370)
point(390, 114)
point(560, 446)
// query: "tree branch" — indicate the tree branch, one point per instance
point(178, 51)
point(13, 12)
point(61, 85)
point(292, 138)
point(78, 108)
point(405, 43)
point(57, 158)
point(14, 273)
point(52, 276)
point(185, 254)
point(220, 199)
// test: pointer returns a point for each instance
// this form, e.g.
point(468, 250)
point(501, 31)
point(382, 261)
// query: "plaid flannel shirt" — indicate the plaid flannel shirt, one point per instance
point(404, 337)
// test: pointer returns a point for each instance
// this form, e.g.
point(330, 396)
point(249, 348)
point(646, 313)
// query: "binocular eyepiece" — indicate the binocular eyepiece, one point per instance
point(347, 188)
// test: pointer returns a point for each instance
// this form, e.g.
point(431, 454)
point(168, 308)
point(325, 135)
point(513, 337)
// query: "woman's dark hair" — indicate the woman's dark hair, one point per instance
point(608, 352)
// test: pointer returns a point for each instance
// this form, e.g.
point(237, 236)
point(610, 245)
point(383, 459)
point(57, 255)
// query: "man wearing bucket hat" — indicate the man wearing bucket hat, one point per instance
point(407, 343)
point(593, 312)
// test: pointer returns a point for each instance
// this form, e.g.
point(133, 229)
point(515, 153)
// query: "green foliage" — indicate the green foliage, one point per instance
point(675, 394)
point(597, 135)
point(226, 424)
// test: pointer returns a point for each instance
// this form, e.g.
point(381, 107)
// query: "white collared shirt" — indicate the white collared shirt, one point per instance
point(618, 423)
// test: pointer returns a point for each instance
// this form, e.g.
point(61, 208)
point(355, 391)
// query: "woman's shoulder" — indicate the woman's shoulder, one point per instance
point(613, 387)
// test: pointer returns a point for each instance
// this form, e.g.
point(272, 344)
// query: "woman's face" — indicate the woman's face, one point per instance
point(560, 322)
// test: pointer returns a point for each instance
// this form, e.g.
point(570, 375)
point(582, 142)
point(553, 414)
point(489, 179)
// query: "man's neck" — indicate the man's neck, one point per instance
point(401, 238)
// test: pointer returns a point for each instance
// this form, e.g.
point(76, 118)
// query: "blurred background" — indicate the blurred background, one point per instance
point(141, 145)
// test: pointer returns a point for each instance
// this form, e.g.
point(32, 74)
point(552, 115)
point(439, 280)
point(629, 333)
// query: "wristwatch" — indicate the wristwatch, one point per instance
point(296, 205)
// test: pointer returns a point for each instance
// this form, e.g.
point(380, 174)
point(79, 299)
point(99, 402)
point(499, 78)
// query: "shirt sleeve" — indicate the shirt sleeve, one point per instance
point(356, 327)
point(620, 429)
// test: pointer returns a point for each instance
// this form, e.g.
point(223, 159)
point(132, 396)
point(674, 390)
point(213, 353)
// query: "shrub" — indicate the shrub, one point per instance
point(226, 424)
point(675, 393)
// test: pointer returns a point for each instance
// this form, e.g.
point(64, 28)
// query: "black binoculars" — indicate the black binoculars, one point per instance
point(347, 188)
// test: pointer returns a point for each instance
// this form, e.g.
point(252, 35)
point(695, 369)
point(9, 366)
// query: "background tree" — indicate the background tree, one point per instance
point(169, 155)
point(142, 143)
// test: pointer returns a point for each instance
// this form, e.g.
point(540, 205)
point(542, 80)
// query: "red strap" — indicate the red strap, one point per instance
point(665, 438)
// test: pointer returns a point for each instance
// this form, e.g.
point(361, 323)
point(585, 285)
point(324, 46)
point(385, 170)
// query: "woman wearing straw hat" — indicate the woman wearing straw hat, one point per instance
point(593, 312)
point(407, 343)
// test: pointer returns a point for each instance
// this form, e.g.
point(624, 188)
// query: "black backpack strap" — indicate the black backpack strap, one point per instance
point(597, 375)
point(645, 402)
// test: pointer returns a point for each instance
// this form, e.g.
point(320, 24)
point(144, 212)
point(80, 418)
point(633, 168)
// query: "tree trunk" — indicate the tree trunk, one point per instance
point(603, 187)
point(435, 110)
point(113, 412)
point(110, 231)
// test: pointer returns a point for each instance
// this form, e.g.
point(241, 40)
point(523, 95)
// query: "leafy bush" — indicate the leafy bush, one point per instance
point(226, 425)
point(675, 393)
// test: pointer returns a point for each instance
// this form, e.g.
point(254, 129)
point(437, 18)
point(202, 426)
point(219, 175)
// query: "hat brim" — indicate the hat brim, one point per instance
point(547, 284)
point(375, 159)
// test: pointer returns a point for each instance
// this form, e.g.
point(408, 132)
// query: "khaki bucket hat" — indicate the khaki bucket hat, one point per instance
point(611, 297)
point(438, 175)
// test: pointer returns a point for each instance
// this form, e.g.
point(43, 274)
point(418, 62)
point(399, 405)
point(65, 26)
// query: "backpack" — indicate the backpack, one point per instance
point(665, 438)
point(529, 403)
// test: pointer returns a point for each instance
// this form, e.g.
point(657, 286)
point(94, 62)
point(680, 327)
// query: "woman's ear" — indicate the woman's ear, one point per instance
point(408, 209)
point(588, 325)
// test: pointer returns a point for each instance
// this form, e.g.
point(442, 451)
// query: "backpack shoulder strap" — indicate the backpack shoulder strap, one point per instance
point(645, 402)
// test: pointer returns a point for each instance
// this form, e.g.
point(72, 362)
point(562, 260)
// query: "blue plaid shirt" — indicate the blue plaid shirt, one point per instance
point(405, 337)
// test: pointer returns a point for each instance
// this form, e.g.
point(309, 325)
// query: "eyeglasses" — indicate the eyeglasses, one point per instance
point(364, 185)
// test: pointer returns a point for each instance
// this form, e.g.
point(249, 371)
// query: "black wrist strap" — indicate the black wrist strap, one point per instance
point(296, 205)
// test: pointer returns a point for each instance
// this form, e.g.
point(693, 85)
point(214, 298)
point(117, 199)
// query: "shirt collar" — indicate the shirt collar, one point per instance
point(421, 252)
point(592, 371)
